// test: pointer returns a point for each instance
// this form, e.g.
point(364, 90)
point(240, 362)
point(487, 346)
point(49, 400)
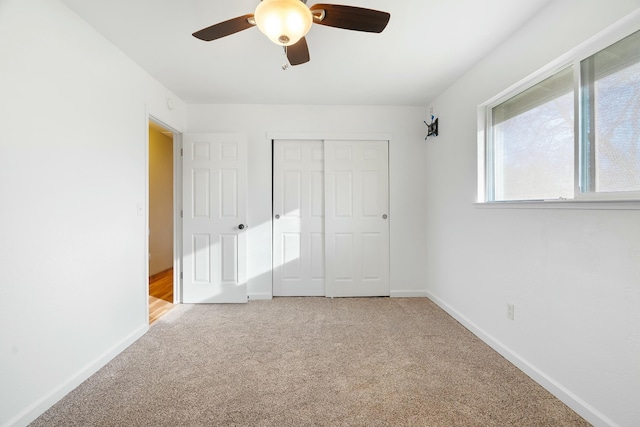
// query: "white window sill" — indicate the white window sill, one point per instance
point(620, 204)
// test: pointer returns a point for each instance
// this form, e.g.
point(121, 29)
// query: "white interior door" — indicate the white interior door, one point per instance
point(356, 218)
point(214, 227)
point(298, 218)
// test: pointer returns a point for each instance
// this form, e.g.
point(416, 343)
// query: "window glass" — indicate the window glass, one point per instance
point(611, 111)
point(533, 142)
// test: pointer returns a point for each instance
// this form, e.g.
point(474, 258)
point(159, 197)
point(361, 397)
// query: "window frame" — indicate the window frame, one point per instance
point(573, 58)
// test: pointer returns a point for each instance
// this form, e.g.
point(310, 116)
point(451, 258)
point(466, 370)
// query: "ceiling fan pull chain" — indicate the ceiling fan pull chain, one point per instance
point(285, 66)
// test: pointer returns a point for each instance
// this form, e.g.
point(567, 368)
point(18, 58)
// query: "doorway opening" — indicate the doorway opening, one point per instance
point(163, 223)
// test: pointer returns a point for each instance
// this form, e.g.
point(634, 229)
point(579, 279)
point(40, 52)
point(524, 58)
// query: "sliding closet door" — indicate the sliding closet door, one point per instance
point(356, 218)
point(298, 218)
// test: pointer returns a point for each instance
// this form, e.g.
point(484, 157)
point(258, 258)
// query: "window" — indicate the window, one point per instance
point(533, 141)
point(535, 151)
point(610, 92)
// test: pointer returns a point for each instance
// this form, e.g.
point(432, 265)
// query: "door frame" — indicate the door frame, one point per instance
point(314, 136)
point(177, 208)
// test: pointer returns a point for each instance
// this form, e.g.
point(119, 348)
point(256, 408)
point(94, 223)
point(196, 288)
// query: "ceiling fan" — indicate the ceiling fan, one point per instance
point(286, 22)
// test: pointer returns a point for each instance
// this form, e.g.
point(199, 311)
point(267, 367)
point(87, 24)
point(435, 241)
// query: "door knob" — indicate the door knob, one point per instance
point(241, 227)
point(384, 216)
point(277, 216)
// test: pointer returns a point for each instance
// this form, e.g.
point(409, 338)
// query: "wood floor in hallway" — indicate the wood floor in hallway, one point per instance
point(160, 294)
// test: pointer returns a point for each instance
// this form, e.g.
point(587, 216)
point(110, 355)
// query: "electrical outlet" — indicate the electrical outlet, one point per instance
point(511, 311)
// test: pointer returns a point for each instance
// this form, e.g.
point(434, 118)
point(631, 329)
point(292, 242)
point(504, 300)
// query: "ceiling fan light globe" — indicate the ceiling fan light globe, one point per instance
point(284, 22)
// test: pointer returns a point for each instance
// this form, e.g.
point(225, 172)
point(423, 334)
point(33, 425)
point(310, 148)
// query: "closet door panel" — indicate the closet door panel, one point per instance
point(357, 218)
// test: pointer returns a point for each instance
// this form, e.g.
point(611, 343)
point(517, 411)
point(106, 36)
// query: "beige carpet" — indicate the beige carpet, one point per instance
point(309, 362)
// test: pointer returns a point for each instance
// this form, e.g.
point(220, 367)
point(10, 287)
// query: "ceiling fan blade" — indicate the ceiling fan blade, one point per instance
point(298, 53)
point(351, 17)
point(225, 28)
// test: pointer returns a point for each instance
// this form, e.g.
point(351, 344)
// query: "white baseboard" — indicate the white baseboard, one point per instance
point(393, 294)
point(262, 295)
point(40, 406)
point(565, 395)
point(408, 294)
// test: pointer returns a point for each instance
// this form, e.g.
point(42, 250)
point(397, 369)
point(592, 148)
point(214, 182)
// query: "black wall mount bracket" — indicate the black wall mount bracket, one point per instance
point(432, 128)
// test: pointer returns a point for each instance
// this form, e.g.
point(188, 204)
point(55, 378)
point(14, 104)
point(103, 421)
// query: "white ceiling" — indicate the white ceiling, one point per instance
point(427, 45)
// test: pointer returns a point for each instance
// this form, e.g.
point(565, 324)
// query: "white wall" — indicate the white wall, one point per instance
point(406, 175)
point(73, 279)
point(573, 275)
